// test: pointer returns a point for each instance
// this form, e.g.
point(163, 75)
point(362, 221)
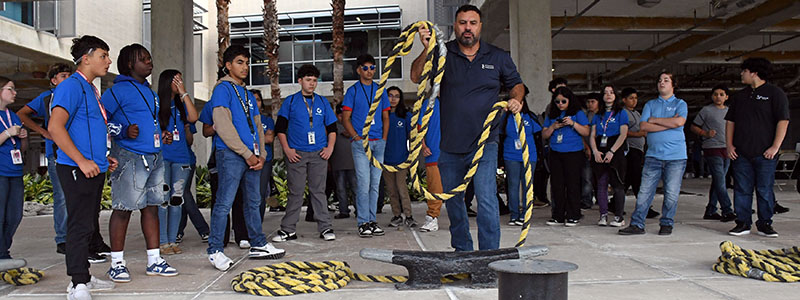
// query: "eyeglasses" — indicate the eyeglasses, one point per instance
point(394, 96)
point(9, 88)
point(364, 68)
point(560, 101)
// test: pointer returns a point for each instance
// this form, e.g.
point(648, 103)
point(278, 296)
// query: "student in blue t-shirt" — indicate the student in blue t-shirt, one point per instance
point(78, 126)
point(239, 144)
point(13, 141)
point(357, 101)
point(175, 113)
point(512, 158)
point(306, 128)
point(430, 150)
point(565, 126)
point(190, 210)
point(607, 140)
point(397, 153)
point(268, 125)
point(663, 119)
point(138, 184)
point(40, 107)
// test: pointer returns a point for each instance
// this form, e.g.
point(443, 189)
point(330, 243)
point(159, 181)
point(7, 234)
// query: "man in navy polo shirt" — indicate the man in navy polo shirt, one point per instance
point(355, 106)
point(306, 128)
point(474, 74)
point(757, 121)
point(78, 127)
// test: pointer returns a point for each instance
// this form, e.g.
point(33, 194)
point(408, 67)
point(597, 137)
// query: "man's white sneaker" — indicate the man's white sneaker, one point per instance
point(266, 252)
point(80, 292)
point(431, 224)
point(220, 261)
point(244, 244)
point(95, 285)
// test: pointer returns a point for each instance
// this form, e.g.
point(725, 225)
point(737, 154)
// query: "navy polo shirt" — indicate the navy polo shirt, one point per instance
point(434, 135)
point(225, 96)
point(41, 110)
point(178, 151)
point(609, 123)
point(358, 99)
point(85, 125)
point(397, 140)
point(295, 111)
point(131, 102)
point(510, 151)
point(468, 91)
point(268, 124)
point(571, 140)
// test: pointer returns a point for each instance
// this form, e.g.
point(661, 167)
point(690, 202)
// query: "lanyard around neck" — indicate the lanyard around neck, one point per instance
point(368, 96)
point(605, 125)
point(153, 111)
point(10, 122)
point(309, 108)
point(245, 109)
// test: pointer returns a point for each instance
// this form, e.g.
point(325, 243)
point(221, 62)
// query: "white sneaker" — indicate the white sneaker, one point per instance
point(220, 261)
point(95, 284)
point(80, 292)
point(603, 220)
point(431, 224)
point(266, 252)
point(244, 244)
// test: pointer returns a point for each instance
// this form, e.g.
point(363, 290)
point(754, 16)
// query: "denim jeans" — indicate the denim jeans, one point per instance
point(59, 202)
point(753, 173)
point(453, 167)
point(12, 194)
point(169, 215)
point(345, 181)
point(369, 178)
point(233, 169)
point(191, 211)
point(138, 182)
point(515, 175)
point(718, 193)
point(671, 172)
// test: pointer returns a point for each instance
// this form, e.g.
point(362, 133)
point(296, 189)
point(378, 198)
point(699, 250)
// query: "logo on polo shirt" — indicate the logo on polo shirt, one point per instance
point(487, 67)
point(763, 98)
point(319, 111)
point(399, 124)
point(525, 122)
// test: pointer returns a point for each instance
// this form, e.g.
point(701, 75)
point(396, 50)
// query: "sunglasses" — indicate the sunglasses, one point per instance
point(560, 101)
point(364, 68)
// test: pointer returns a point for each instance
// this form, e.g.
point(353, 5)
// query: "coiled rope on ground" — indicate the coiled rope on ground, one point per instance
point(778, 265)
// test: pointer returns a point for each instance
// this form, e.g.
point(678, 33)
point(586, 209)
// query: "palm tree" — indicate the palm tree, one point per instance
point(338, 50)
point(223, 29)
point(271, 45)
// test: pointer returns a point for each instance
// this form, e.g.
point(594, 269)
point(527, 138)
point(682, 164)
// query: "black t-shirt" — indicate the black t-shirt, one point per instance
point(756, 114)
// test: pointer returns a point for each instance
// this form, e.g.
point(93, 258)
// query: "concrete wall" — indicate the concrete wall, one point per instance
point(118, 25)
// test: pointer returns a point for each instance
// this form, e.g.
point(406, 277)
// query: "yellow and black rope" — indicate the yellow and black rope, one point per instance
point(22, 276)
point(779, 265)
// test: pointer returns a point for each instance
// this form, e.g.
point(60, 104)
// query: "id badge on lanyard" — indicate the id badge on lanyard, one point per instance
point(256, 149)
point(312, 138)
point(16, 154)
point(603, 141)
point(559, 138)
point(157, 140)
point(176, 135)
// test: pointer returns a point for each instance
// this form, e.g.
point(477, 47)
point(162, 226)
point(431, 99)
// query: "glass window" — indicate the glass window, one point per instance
point(349, 72)
point(325, 71)
point(286, 75)
point(257, 52)
point(259, 75)
point(285, 50)
point(397, 68)
point(18, 11)
point(303, 47)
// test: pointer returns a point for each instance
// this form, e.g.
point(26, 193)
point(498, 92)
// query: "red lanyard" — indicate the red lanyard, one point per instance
point(97, 97)
point(6, 126)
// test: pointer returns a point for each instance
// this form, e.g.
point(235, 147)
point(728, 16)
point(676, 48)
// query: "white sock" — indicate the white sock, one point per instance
point(116, 257)
point(153, 256)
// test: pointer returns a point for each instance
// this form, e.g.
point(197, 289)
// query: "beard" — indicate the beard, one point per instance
point(468, 41)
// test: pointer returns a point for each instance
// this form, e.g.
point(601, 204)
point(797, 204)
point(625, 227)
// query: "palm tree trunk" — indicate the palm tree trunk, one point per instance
point(271, 45)
point(223, 29)
point(338, 50)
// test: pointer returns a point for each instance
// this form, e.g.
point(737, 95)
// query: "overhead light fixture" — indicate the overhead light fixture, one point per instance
point(648, 3)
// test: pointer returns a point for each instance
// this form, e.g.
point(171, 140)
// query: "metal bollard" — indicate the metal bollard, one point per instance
point(528, 279)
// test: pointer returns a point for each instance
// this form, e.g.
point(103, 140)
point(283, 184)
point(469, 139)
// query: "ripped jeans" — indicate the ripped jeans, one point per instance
point(169, 214)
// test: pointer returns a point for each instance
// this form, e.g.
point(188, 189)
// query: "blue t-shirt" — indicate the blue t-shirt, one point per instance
point(571, 140)
point(7, 166)
point(358, 99)
point(225, 96)
point(510, 151)
point(299, 130)
point(131, 102)
point(192, 157)
point(434, 135)
point(268, 124)
point(667, 144)
point(85, 125)
point(397, 140)
point(609, 123)
point(178, 151)
point(41, 110)
point(207, 114)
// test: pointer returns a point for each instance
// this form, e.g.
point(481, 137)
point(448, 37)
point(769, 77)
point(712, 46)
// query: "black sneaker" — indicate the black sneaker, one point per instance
point(396, 221)
point(652, 213)
point(740, 229)
point(714, 216)
point(779, 209)
point(571, 223)
point(728, 217)
point(179, 238)
point(282, 236)
point(665, 230)
point(95, 258)
point(104, 250)
point(61, 248)
point(631, 230)
point(365, 230)
point(471, 213)
point(767, 231)
point(341, 216)
point(376, 230)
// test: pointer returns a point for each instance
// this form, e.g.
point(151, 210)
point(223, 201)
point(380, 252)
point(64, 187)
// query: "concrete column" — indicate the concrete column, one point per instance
point(532, 48)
